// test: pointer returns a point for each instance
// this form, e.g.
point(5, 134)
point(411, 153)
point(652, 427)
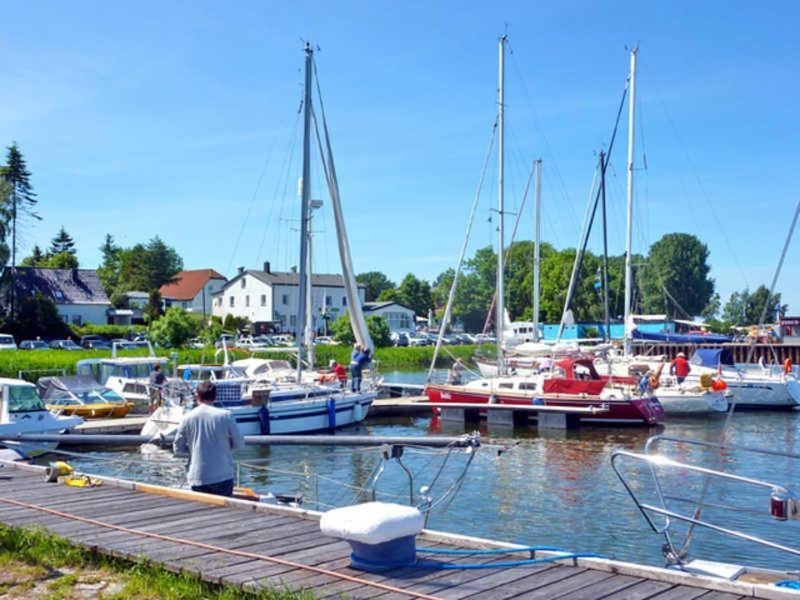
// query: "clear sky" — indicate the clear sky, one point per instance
point(179, 119)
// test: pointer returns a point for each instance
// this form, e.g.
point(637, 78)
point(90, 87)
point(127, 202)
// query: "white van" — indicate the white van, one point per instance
point(7, 342)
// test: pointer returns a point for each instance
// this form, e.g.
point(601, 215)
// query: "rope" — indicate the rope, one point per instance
point(243, 553)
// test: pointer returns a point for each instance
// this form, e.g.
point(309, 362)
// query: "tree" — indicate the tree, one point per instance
point(711, 310)
point(676, 279)
point(143, 267)
point(172, 330)
point(163, 263)
point(342, 330)
point(375, 282)
point(62, 260)
point(415, 294)
point(20, 199)
point(153, 310)
point(37, 316)
point(62, 243)
point(36, 258)
point(108, 271)
point(746, 308)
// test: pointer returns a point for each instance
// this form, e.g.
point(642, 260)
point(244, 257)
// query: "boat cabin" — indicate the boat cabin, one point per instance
point(17, 397)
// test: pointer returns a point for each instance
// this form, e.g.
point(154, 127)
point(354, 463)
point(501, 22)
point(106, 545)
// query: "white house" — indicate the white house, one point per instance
point(77, 293)
point(399, 317)
point(272, 296)
point(193, 290)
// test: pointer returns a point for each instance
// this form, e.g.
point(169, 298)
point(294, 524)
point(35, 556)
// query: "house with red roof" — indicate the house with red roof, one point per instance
point(192, 290)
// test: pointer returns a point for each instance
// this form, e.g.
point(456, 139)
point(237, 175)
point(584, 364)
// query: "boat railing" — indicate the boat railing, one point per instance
point(674, 502)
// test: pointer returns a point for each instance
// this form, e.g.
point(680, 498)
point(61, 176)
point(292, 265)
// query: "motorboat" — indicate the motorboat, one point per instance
point(22, 411)
point(129, 376)
point(82, 396)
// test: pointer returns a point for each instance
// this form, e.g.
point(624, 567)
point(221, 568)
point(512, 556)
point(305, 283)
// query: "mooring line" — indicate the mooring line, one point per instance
point(243, 553)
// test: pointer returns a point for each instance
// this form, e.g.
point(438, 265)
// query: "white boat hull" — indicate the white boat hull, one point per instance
point(689, 402)
point(40, 421)
point(276, 418)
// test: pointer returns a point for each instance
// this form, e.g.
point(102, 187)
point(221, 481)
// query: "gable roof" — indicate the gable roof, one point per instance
point(62, 286)
point(188, 284)
point(318, 280)
point(370, 306)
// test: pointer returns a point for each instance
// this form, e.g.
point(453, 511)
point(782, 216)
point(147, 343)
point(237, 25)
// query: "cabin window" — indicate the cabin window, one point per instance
point(506, 386)
point(527, 386)
point(23, 398)
point(247, 300)
point(263, 299)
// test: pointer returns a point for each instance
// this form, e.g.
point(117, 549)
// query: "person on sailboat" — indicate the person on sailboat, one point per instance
point(680, 368)
point(361, 358)
point(208, 435)
point(340, 373)
point(157, 379)
point(454, 376)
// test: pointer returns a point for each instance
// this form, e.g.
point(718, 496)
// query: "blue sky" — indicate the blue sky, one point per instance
point(179, 119)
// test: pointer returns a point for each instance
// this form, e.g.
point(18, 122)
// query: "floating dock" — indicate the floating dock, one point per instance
point(255, 546)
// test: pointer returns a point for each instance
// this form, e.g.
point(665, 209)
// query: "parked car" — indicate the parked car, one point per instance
point(64, 345)
point(7, 342)
point(33, 345)
point(399, 339)
point(325, 340)
point(483, 338)
point(86, 340)
point(418, 340)
point(97, 345)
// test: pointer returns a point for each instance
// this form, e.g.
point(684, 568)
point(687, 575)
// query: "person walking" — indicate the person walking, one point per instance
point(156, 387)
point(208, 435)
point(680, 368)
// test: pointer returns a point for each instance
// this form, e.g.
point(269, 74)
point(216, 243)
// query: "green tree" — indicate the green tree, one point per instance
point(342, 330)
point(37, 316)
point(172, 330)
point(163, 263)
point(375, 282)
point(20, 197)
point(62, 260)
point(36, 259)
point(154, 309)
point(62, 243)
point(415, 294)
point(711, 310)
point(109, 270)
point(745, 308)
point(676, 278)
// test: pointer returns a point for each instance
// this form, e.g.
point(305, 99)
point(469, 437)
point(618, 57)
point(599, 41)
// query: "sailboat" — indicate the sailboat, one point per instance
point(268, 407)
point(571, 383)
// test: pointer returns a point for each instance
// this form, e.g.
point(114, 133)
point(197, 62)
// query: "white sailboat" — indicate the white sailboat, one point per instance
point(274, 407)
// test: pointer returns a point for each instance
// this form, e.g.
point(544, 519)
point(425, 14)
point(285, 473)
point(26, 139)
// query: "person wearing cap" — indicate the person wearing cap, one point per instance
point(208, 435)
point(680, 368)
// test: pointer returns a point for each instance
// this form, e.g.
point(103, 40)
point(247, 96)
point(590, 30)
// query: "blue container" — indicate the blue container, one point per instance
point(374, 558)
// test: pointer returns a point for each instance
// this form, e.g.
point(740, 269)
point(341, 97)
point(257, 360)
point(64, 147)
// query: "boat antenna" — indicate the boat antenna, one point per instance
point(500, 318)
point(304, 213)
point(629, 220)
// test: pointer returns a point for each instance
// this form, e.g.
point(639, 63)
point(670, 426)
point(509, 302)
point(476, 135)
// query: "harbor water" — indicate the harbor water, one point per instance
point(553, 488)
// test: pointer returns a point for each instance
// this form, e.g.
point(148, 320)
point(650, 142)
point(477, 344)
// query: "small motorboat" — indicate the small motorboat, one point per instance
point(22, 411)
point(82, 396)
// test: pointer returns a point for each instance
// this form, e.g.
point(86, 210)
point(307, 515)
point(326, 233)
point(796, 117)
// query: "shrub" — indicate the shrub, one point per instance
point(174, 329)
point(37, 316)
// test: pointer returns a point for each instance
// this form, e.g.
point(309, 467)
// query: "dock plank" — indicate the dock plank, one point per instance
point(641, 591)
point(680, 592)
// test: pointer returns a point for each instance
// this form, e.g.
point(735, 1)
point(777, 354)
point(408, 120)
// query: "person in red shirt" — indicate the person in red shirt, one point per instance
point(340, 372)
point(680, 367)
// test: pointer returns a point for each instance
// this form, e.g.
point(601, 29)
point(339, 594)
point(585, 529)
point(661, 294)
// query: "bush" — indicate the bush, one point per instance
point(37, 316)
point(107, 331)
point(174, 329)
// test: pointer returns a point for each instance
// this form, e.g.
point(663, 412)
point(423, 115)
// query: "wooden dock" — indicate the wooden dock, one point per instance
point(256, 546)
point(129, 424)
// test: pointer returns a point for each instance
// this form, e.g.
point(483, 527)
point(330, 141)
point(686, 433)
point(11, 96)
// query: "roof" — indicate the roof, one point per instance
point(62, 286)
point(187, 284)
point(370, 306)
point(318, 280)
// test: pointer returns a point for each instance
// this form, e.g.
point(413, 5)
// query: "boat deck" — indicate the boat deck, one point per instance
point(262, 546)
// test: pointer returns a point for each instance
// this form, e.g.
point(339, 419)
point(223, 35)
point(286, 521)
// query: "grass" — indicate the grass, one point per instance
point(35, 563)
point(36, 363)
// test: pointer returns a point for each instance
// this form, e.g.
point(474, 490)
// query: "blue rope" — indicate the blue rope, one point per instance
point(493, 551)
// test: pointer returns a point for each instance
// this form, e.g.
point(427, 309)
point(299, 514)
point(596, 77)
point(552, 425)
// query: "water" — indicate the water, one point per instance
point(555, 488)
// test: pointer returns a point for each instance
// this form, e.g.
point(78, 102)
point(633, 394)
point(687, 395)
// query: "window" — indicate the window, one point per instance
point(219, 301)
point(247, 300)
point(263, 299)
point(527, 386)
point(59, 295)
point(344, 300)
point(23, 398)
point(243, 282)
point(285, 299)
point(230, 301)
point(328, 300)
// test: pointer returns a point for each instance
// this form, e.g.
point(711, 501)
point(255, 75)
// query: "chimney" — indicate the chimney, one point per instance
point(241, 270)
point(266, 267)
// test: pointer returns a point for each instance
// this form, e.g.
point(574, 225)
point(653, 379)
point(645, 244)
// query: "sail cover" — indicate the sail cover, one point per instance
point(359, 324)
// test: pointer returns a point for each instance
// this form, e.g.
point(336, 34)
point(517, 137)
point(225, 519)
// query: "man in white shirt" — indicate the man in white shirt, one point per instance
point(208, 435)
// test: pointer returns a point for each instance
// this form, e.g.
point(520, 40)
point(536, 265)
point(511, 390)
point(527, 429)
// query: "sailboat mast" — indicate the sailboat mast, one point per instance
point(537, 170)
point(629, 224)
point(500, 304)
point(304, 214)
point(309, 323)
point(606, 316)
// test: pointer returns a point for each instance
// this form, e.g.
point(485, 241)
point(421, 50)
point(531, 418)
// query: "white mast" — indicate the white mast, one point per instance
point(537, 170)
point(500, 317)
point(629, 226)
point(304, 215)
point(309, 323)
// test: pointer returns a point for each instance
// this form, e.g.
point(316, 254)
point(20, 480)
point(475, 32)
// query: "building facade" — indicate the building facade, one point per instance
point(399, 317)
point(193, 290)
point(272, 296)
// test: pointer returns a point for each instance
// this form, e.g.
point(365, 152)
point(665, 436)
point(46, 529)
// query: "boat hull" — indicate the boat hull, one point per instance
point(627, 411)
point(93, 411)
point(40, 421)
point(678, 402)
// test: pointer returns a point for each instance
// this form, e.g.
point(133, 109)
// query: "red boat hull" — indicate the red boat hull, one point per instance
point(632, 411)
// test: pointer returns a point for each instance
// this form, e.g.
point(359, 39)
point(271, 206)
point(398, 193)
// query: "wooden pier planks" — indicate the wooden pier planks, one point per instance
point(288, 536)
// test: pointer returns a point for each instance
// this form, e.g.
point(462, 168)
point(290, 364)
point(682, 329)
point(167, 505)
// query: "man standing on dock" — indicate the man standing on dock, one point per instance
point(208, 435)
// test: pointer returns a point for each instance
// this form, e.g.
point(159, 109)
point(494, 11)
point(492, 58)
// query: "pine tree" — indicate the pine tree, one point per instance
point(22, 199)
point(62, 243)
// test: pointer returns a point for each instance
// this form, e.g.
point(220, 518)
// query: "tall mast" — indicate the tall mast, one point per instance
point(500, 304)
point(607, 318)
point(309, 323)
point(629, 225)
point(537, 170)
point(304, 214)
